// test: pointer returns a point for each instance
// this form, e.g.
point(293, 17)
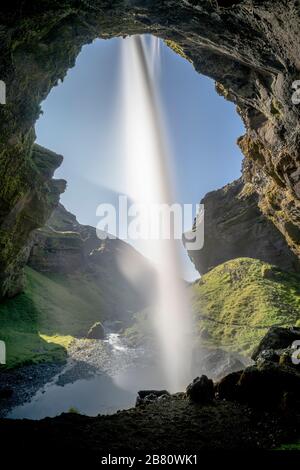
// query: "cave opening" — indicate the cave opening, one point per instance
point(82, 120)
point(75, 336)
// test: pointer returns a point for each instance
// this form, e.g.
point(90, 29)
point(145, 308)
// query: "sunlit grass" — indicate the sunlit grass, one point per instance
point(234, 300)
point(40, 324)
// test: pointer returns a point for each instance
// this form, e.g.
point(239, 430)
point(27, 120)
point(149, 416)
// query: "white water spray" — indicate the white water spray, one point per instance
point(148, 166)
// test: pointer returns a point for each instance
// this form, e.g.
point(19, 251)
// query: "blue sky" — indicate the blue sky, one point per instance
point(82, 121)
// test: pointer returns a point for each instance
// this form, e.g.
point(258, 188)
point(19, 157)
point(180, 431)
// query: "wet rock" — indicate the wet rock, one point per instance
point(96, 331)
point(277, 338)
point(201, 390)
point(150, 396)
point(270, 355)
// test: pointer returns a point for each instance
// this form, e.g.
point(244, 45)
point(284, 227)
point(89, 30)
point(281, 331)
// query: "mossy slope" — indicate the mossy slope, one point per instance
point(236, 302)
point(40, 323)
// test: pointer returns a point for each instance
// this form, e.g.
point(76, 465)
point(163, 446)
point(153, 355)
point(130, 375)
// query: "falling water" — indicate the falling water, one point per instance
point(149, 182)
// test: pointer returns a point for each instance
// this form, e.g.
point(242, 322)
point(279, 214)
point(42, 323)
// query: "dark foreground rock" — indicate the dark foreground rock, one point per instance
point(201, 390)
point(176, 425)
point(273, 381)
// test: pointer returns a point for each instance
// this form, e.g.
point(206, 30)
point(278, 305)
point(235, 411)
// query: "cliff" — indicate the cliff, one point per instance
point(235, 227)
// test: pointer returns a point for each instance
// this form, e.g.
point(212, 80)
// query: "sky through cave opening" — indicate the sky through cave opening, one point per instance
point(82, 120)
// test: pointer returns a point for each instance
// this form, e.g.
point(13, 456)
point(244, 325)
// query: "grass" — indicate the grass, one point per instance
point(293, 446)
point(235, 303)
point(39, 324)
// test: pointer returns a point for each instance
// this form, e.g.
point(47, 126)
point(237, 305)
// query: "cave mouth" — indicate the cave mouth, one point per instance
point(82, 121)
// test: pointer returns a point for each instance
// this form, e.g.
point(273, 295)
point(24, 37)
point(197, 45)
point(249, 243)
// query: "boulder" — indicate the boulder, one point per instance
point(150, 396)
point(96, 331)
point(201, 390)
point(227, 387)
point(265, 385)
point(277, 338)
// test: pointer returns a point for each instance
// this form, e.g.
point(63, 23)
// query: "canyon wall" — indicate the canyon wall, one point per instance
point(250, 48)
point(234, 227)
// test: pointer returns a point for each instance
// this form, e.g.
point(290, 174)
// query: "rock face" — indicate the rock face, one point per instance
point(234, 227)
point(30, 211)
point(250, 48)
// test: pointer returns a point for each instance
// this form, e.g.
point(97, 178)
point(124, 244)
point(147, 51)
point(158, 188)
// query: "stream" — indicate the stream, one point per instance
point(101, 377)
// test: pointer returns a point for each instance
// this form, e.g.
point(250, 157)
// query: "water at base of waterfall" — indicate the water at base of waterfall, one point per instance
point(101, 377)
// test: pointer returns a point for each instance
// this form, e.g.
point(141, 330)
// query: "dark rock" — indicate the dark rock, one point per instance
point(269, 355)
point(201, 390)
point(96, 331)
point(235, 227)
point(150, 396)
point(6, 392)
point(265, 385)
point(227, 387)
point(277, 338)
point(143, 393)
point(273, 382)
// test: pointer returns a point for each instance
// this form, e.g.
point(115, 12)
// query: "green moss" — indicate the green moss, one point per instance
point(39, 324)
point(294, 446)
point(176, 48)
point(236, 302)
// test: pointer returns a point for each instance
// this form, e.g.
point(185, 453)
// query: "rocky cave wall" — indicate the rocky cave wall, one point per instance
point(250, 48)
point(235, 228)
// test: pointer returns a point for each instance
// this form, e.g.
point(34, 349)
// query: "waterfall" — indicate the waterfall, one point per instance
point(148, 163)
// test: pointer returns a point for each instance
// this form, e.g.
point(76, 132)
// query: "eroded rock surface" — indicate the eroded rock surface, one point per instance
point(234, 227)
